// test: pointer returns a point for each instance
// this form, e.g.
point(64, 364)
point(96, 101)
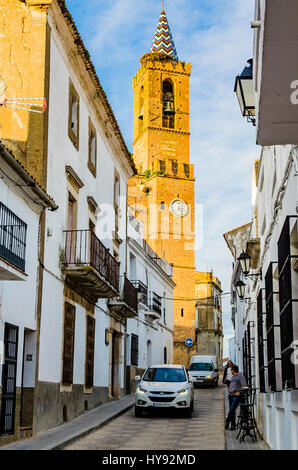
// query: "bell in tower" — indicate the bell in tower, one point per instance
point(168, 105)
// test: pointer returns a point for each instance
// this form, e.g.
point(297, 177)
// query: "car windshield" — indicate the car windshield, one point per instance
point(163, 374)
point(201, 366)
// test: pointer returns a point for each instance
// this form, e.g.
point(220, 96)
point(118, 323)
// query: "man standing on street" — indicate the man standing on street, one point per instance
point(238, 383)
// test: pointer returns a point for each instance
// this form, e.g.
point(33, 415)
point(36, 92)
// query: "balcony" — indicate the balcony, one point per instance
point(126, 305)
point(89, 267)
point(142, 291)
point(154, 309)
point(13, 232)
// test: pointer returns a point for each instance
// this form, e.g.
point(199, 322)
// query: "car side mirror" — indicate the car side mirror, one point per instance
point(138, 378)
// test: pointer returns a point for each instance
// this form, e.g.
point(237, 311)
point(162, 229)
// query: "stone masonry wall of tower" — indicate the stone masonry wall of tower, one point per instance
point(161, 154)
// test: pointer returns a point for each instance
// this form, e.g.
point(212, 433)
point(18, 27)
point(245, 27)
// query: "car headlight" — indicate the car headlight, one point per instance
point(141, 389)
point(184, 390)
point(208, 376)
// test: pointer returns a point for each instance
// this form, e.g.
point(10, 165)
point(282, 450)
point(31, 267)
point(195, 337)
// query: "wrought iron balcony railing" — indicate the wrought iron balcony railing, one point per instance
point(156, 303)
point(127, 304)
point(142, 290)
point(84, 250)
point(130, 294)
point(13, 232)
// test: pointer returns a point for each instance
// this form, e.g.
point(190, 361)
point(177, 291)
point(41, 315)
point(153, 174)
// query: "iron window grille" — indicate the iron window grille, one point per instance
point(247, 354)
point(272, 331)
point(13, 234)
point(244, 354)
point(130, 294)
point(288, 305)
point(141, 289)
point(261, 342)
point(134, 359)
point(156, 303)
point(9, 373)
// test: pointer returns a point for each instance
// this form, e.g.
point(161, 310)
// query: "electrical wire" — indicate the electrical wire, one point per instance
point(21, 187)
point(196, 299)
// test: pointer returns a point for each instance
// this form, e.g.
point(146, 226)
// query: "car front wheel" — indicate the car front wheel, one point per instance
point(138, 412)
point(189, 411)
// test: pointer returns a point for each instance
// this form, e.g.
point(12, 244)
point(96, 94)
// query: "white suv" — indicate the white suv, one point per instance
point(164, 386)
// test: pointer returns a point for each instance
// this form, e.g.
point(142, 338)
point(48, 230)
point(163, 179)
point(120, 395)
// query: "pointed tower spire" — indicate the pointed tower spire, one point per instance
point(163, 41)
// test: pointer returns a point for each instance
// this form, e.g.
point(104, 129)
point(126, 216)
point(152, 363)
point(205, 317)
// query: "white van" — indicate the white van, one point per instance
point(204, 370)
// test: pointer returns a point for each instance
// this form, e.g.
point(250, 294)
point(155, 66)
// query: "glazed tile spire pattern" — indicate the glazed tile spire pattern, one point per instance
point(163, 41)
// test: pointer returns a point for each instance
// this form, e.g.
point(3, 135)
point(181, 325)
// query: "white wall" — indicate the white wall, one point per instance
point(280, 410)
point(159, 333)
point(62, 152)
point(276, 197)
point(18, 298)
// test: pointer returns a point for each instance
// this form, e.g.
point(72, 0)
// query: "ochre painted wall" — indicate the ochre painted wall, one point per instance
point(24, 68)
point(165, 153)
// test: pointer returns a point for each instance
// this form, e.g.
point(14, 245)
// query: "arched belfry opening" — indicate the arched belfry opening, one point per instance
point(141, 110)
point(168, 115)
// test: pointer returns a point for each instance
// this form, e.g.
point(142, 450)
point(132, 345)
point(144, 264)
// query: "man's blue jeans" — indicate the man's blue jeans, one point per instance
point(233, 402)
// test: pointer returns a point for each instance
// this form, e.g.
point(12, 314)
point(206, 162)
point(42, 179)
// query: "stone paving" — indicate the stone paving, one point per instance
point(233, 443)
point(164, 431)
point(66, 433)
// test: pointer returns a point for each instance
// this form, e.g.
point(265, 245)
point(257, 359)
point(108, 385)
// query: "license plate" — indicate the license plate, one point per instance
point(160, 405)
point(201, 381)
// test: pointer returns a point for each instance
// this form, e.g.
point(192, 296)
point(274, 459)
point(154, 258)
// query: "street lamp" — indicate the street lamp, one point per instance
point(240, 287)
point(245, 262)
point(244, 90)
point(244, 259)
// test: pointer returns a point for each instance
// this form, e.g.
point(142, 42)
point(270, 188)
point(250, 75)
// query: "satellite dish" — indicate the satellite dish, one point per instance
point(33, 105)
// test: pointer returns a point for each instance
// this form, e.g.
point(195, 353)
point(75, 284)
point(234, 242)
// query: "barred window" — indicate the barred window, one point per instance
point(261, 312)
point(287, 256)
point(134, 359)
point(247, 344)
point(68, 349)
point(273, 331)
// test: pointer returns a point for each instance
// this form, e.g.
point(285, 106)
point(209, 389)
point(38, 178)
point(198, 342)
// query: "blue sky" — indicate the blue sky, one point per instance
point(215, 36)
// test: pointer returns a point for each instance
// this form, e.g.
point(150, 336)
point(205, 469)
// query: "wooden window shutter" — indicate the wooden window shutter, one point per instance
point(90, 340)
point(68, 349)
point(134, 350)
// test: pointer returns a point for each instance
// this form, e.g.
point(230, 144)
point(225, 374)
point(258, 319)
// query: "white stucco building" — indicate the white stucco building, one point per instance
point(22, 203)
point(81, 313)
point(266, 318)
point(86, 297)
point(150, 334)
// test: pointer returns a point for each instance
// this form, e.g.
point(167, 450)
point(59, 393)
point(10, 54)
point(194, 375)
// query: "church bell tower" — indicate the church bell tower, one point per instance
point(162, 193)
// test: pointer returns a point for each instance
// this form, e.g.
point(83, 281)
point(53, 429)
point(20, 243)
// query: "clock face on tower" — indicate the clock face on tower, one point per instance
point(179, 208)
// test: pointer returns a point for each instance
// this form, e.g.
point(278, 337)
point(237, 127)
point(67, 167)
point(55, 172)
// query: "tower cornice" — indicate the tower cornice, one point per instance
point(162, 63)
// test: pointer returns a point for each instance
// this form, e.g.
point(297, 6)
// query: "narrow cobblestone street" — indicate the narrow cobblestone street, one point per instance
point(204, 431)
